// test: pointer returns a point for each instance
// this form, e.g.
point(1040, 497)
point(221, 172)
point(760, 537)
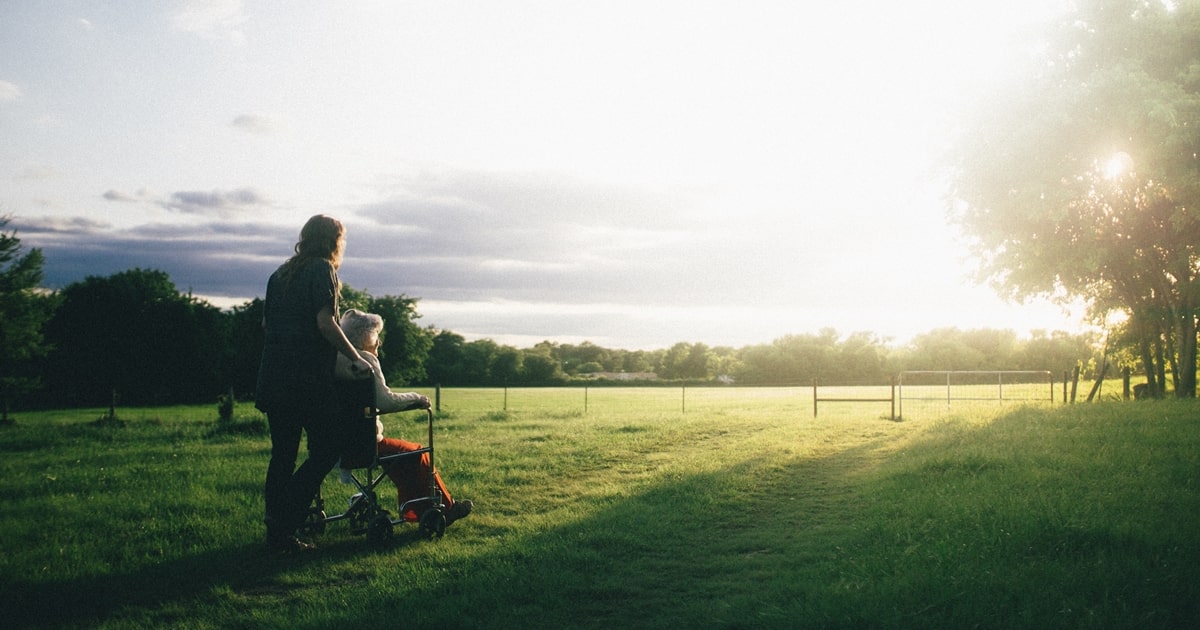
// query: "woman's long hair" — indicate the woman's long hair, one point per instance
point(322, 238)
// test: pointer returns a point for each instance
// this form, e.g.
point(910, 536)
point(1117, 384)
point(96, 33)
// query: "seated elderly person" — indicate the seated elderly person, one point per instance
point(410, 474)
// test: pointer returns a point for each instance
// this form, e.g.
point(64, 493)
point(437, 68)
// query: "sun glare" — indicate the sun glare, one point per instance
point(1118, 165)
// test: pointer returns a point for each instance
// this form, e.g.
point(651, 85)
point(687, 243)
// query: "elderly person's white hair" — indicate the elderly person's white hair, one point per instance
point(362, 329)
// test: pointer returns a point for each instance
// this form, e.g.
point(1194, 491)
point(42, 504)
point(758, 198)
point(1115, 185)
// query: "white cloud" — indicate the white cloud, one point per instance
point(9, 92)
point(35, 172)
point(635, 173)
point(213, 19)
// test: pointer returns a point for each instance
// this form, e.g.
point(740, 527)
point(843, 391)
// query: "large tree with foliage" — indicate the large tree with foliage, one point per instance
point(445, 362)
point(245, 343)
point(1082, 179)
point(23, 311)
point(134, 335)
point(687, 361)
point(538, 367)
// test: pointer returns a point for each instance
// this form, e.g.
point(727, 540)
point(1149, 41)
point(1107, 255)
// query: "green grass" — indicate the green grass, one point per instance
point(655, 508)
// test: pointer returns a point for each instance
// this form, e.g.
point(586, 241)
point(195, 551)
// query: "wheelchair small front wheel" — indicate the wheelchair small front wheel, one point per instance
point(433, 523)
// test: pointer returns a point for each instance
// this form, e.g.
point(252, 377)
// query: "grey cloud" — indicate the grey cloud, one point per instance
point(527, 198)
point(525, 216)
point(116, 195)
point(254, 123)
point(59, 226)
point(461, 238)
point(202, 202)
point(218, 259)
point(486, 236)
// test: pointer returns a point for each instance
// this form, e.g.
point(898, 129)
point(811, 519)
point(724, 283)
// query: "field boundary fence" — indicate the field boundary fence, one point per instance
point(948, 388)
point(675, 398)
point(906, 394)
point(891, 399)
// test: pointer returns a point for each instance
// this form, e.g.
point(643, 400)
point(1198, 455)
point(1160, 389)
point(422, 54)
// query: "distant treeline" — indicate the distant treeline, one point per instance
point(135, 336)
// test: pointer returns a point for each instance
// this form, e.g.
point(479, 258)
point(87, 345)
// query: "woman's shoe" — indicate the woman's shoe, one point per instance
point(288, 544)
point(282, 538)
point(460, 509)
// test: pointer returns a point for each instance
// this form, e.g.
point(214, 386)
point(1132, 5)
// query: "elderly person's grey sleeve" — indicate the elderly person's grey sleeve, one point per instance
point(387, 400)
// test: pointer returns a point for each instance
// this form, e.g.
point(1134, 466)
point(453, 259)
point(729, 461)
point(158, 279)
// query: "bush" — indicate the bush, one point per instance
point(229, 424)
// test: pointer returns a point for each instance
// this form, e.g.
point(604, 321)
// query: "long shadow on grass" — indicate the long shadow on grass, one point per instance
point(584, 573)
point(187, 584)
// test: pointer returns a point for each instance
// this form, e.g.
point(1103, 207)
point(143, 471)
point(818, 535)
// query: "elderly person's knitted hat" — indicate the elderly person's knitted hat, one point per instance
point(361, 328)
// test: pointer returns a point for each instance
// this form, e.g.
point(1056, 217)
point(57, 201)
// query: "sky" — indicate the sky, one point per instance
point(629, 173)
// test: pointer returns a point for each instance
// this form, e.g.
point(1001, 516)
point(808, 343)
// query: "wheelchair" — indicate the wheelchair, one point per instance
point(365, 469)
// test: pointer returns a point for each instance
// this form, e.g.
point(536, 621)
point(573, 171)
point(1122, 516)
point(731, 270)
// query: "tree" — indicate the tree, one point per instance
point(507, 364)
point(629, 361)
point(861, 358)
point(725, 363)
point(445, 363)
point(1084, 181)
point(477, 361)
point(405, 345)
point(539, 368)
point(572, 357)
point(1058, 352)
point(952, 349)
point(674, 361)
point(135, 335)
point(351, 298)
point(23, 312)
point(687, 361)
point(246, 336)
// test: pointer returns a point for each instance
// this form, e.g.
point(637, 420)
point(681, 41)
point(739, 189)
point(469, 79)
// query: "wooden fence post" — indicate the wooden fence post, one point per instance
point(1074, 383)
point(892, 379)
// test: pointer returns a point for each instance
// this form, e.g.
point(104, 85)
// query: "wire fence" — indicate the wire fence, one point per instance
point(584, 400)
point(941, 391)
point(910, 394)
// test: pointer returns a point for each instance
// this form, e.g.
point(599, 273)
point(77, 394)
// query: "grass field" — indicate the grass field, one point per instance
point(639, 508)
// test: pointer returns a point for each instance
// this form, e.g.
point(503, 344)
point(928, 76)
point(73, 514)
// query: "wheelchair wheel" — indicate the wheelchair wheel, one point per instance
point(379, 530)
point(360, 517)
point(433, 523)
point(314, 522)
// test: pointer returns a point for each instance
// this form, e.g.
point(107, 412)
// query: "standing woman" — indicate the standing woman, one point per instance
point(295, 378)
